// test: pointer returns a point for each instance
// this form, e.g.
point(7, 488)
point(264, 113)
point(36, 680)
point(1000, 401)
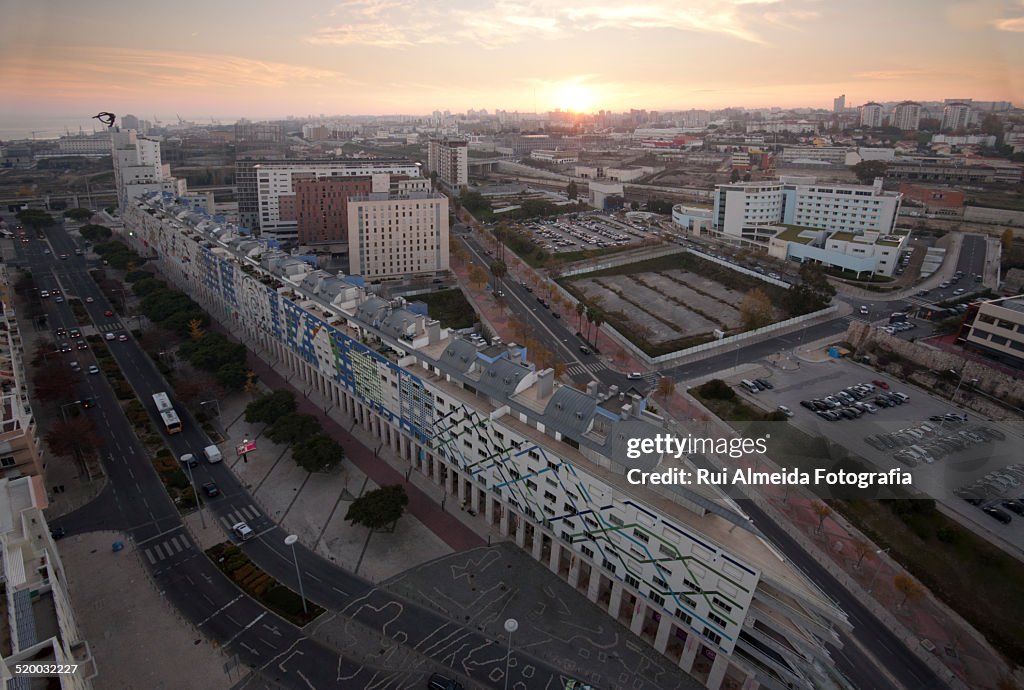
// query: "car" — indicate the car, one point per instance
point(807, 404)
point(242, 531)
point(189, 460)
point(74, 333)
point(78, 252)
point(540, 300)
point(109, 336)
point(1014, 506)
point(528, 288)
point(88, 402)
point(943, 285)
point(63, 256)
point(57, 533)
point(902, 397)
point(122, 338)
point(785, 410)
point(555, 315)
point(439, 682)
point(59, 300)
point(89, 300)
point(65, 347)
point(93, 369)
point(81, 344)
point(108, 312)
point(211, 490)
point(46, 251)
point(75, 366)
point(959, 291)
point(584, 349)
point(634, 376)
point(864, 310)
point(44, 294)
point(881, 384)
point(60, 333)
point(763, 384)
point(1000, 515)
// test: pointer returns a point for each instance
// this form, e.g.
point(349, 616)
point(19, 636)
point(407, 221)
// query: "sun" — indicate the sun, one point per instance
point(575, 98)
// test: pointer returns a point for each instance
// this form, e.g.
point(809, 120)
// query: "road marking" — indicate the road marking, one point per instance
point(159, 536)
point(254, 622)
point(158, 551)
point(149, 554)
point(245, 511)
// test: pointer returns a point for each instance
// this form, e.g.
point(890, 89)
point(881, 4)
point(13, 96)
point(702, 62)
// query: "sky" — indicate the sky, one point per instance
point(63, 59)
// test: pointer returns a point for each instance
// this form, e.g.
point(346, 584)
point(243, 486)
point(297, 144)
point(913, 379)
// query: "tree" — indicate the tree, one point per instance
point(572, 191)
point(318, 453)
point(187, 390)
point(233, 375)
point(95, 233)
point(78, 214)
point(716, 389)
point(269, 407)
point(195, 329)
point(378, 508)
point(863, 549)
point(293, 427)
point(735, 176)
point(477, 276)
point(666, 387)
point(908, 587)
point(74, 433)
point(811, 293)
point(634, 205)
point(560, 369)
point(822, 511)
point(53, 383)
point(499, 270)
point(35, 219)
point(597, 320)
point(580, 309)
point(755, 310)
point(1007, 240)
point(991, 124)
point(867, 171)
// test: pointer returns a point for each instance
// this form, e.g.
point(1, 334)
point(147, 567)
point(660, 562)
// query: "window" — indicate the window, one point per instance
point(658, 581)
point(717, 619)
point(684, 616)
point(657, 599)
point(642, 536)
point(721, 604)
point(615, 519)
point(631, 581)
point(667, 550)
point(712, 635)
point(7, 461)
point(589, 553)
point(607, 565)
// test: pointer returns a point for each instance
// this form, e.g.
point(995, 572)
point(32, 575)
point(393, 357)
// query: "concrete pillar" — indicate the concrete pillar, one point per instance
point(690, 650)
point(555, 557)
point(463, 496)
point(574, 570)
point(538, 543)
point(636, 624)
point(489, 510)
point(474, 499)
point(594, 588)
point(616, 600)
point(718, 669)
point(503, 526)
point(449, 481)
point(437, 470)
point(520, 529)
point(750, 683)
point(664, 630)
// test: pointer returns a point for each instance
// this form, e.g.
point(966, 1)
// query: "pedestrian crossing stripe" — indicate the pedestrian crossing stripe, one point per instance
point(156, 553)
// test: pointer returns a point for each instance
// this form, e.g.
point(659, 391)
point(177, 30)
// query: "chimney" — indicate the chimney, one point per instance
point(513, 352)
point(433, 332)
point(545, 383)
point(626, 412)
point(592, 389)
point(612, 390)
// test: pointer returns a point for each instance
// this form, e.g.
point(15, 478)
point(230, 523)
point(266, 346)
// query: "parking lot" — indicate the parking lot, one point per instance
point(592, 231)
point(925, 435)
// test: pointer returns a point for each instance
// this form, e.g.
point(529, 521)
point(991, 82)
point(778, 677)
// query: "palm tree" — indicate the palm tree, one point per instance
point(580, 309)
point(598, 320)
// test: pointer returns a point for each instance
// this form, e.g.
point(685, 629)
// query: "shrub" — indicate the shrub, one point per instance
point(717, 389)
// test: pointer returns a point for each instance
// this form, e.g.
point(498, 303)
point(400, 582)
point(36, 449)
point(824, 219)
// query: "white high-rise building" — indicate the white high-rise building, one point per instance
point(955, 116)
point(449, 158)
point(907, 116)
point(138, 169)
point(871, 114)
point(400, 232)
point(839, 104)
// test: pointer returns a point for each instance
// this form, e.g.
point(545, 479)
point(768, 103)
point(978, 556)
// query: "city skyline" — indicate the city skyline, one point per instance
point(375, 57)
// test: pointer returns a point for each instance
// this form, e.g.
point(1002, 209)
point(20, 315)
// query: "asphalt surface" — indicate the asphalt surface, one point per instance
point(135, 502)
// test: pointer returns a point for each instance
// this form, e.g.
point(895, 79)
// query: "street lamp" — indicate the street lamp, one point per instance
point(952, 398)
point(195, 492)
point(511, 625)
point(65, 414)
point(878, 567)
point(290, 541)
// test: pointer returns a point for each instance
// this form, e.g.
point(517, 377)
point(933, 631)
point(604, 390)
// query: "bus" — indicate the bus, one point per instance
point(163, 405)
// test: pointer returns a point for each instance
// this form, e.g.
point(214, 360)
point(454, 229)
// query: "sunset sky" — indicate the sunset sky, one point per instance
point(267, 59)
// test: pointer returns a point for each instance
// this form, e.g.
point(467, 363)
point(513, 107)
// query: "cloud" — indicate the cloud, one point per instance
point(1015, 24)
point(497, 23)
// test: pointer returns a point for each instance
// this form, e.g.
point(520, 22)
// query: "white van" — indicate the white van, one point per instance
point(750, 385)
point(212, 454)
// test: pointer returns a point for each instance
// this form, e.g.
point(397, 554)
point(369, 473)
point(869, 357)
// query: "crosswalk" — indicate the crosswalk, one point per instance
point(109, 327)
point(577, 369)
point(167, 549)
point(244, 514)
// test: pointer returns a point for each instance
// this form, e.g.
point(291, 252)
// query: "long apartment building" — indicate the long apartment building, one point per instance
point(543, 462)
point(20, 448)
point(38, 619)
point(138, 167)
point(449, 158)
point(261, 183)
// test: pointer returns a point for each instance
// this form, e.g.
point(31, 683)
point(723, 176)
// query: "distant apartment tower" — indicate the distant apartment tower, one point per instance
point(906, 116)
point(449, 158)
point(261, 183)
point(130, 122)
point(955, 116)
point(321, 206)
point(138, 168)
point(839, 104)
point(400, 232)
point(316, 132)
point(258, 133)
point(871, 114)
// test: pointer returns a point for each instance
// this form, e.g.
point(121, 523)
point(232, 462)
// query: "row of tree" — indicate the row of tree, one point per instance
point(312, 449)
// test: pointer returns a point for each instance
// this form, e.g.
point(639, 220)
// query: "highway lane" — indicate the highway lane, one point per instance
point(143, 508)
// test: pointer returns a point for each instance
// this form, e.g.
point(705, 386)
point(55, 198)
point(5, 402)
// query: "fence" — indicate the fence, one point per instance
point(622, 261)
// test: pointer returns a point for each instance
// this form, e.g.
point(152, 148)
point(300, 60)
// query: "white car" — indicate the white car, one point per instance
point(93, 369)
point(109, 336)
point(785, 410)
point(864, 310)
point(242, 531)
point(634, 376)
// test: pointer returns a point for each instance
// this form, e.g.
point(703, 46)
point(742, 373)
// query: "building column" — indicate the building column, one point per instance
point(718, 669)
point(503, 526)
point(474, 498)
point(437, 471)
point(463, 498)
point(520, 529)
point(538, 543)
point(449, 480)
point(690, 650)
point(616, 600)
point(636, 624)
point(556, 556)
point(751, 683)
point(594, 587)
point(664, 630)
point(574, 570)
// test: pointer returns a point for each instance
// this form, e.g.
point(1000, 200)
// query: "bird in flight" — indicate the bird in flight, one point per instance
point(105, 118)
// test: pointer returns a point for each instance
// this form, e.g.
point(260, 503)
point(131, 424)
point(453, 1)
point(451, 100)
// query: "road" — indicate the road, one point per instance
point(135, 502)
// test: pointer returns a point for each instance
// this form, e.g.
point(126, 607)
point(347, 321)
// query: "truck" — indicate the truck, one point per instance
point(212, 454)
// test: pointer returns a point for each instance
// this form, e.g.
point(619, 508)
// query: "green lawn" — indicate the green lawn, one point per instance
point(450, 307)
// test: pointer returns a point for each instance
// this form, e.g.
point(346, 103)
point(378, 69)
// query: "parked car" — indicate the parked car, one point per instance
point(785, 410)
point(242, 531)
point(93, 369)
point(211, 490)
point(763, 384)
point(634, 376)
point(1000, 515)
point(439, 682)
